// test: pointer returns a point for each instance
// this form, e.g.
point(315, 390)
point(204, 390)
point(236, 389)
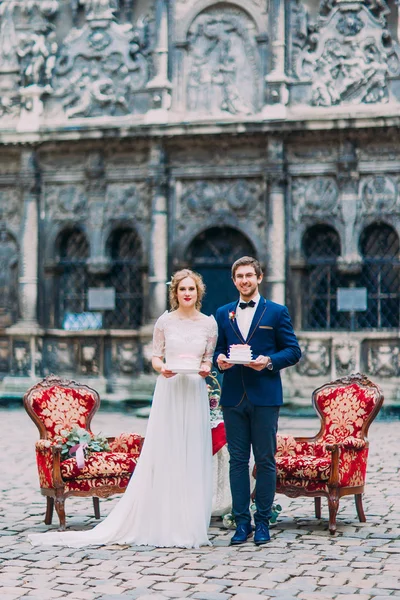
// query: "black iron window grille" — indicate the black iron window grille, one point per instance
point(126, 276)
point(380, 249)
point(321, 248)
point(74, 280)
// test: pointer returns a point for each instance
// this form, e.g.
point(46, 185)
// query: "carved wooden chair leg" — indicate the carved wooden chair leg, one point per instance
point(333, 504)
point(317, 506)
point(49, 510)
point(60, 509)
point(359, 507)
point(96, 506)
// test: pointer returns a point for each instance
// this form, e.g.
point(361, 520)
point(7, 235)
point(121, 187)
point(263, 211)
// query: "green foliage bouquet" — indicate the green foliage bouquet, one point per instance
point(79, 442)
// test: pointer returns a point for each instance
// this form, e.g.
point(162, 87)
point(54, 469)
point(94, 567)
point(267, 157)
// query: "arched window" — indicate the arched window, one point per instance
point(126, 276)
point(73, 282)
point(212, 253)
point(380, 249)
point(321, 248)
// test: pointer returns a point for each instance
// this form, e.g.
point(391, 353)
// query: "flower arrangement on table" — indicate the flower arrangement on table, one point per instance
point(214, 396)
point(79, 442)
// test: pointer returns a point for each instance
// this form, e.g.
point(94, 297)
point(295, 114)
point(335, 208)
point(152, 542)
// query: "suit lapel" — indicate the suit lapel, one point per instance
point(233, 322)
point(260, 310)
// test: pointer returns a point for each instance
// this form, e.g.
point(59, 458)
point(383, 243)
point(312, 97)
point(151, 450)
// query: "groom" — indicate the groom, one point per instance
point(252, 394)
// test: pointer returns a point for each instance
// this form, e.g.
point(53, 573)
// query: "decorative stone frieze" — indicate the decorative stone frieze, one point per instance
point(383, 358)
point(314, 197)
point(316, 358)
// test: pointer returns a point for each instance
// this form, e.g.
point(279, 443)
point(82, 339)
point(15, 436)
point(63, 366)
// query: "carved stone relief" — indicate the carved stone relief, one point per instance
point(101, 65)
point(59, 357)
point(314, 196)
point(126, 357)
point(379, 194)
point(130, 201)
point(345, 356)
point(352, 66)
point(384, 359)
point(89, 359)
point(243, 197)
point(10, 206)
point(28, 48)
point(8, 279)
point(222, 63)
point(5, 355)
point(315, 359)
point(65, 202)
point(307, 151)
point(21, 358)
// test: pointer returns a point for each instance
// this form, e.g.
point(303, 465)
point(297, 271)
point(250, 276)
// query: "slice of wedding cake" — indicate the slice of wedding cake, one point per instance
point(240, 353)
point(186, 362)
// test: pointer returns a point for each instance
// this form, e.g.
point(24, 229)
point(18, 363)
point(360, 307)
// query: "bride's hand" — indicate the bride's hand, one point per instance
point(167, 372)
point(205, 370)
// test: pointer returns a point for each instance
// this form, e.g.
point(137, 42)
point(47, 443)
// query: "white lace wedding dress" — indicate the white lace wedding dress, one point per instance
point(168, 500)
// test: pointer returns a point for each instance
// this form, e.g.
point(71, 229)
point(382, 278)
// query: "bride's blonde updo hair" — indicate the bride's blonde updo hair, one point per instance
point(175, 281)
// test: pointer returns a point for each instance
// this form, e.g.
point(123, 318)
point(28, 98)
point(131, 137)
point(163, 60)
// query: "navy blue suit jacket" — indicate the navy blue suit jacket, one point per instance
point(271, 334)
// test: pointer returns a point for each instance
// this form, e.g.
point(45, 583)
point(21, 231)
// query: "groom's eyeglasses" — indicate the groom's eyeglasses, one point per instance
point(241, 276)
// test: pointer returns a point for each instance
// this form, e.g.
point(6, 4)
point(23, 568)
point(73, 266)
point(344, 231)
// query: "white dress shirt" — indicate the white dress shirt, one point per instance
point(244, 316)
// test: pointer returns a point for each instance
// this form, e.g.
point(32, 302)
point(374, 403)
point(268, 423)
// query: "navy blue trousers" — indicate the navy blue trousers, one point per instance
point(248, 426)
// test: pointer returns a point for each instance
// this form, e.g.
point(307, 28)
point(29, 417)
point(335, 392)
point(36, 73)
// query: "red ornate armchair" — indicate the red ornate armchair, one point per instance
point(334, 462)
point(54, 405)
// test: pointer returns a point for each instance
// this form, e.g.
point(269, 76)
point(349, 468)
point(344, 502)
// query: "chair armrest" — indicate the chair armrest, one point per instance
point(350, 443)
point(48, 459)
point(129, 443)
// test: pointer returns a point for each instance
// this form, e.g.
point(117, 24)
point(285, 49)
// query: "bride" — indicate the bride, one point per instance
point(168, 499)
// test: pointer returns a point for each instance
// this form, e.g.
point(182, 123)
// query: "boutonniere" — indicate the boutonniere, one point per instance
point(232, 315)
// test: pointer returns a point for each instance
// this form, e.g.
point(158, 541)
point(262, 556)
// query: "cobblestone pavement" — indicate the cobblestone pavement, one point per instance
point(302, 561)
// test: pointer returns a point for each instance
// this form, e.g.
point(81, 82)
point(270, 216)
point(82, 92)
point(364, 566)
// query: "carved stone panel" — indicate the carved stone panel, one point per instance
point(245, 198)
point(383, 358)
point(379, 194)
point(345, 356)
point(89, 357)
point(128, 201)
point(59, 356)
point(65, 202)
point(350, 58)
point(8, 279)
point(316, 358)
point(313, 196)
point(125, 358)
point(222, 63)
point(21, 358)
point(5, 355)
point(10, 206)
point(101, 65)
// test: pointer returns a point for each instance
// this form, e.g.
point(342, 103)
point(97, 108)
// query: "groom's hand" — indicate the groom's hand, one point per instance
point(259, 363)
point(222, 364)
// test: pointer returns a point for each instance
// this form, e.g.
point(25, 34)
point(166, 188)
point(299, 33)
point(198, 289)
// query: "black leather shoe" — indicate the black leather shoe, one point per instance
point(241, 534)
point(261, 535)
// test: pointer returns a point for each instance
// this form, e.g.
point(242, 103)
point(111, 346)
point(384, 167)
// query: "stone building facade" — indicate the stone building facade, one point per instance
point(139, 136)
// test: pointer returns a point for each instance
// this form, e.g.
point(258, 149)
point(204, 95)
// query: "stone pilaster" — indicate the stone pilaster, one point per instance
point(159, 236)
point(277, 95)
point(276, 276)
point(28, 272)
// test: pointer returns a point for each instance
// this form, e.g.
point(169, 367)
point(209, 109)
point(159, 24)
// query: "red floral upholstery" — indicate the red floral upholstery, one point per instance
point(55, 405)
point(334, 462)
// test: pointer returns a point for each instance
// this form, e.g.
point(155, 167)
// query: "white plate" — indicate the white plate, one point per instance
point(238, 362)
point(185, 370)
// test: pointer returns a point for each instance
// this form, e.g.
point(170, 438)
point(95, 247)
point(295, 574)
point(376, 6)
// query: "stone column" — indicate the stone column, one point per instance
point(160, 86)
point(159, 236)
point(277, 95)
point(28, 271)
point(276, 240)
